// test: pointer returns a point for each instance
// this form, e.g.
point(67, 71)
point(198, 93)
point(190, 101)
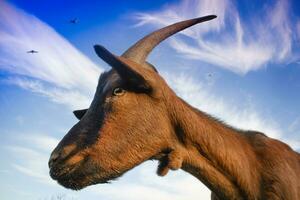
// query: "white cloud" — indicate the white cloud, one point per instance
point(31, 162)
point(31, 153)
point(186, 10)
point(246, 118)
point(40, 176)
point(59, 70)
point(41, 142)
point(71, 97)
point(230, 42)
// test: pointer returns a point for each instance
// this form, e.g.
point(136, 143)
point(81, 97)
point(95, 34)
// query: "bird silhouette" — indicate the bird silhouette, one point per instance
point(32, 51)
point(73, 21)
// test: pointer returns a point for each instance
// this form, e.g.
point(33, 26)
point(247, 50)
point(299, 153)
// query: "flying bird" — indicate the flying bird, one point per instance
point(209, 75)
point(73, 21)
point(32, 51)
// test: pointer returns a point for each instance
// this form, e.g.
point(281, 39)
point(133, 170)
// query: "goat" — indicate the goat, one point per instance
point(135, 116)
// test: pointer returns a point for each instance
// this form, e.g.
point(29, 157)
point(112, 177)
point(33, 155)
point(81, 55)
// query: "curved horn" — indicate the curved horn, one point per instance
point(140, 50)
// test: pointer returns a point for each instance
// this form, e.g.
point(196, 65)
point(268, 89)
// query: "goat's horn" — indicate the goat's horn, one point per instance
point(140, 50)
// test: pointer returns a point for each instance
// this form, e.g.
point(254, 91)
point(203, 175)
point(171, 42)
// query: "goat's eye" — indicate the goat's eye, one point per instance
point(118, 91)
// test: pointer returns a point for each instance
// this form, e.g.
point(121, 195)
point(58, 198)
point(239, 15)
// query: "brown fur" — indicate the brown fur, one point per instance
point(144, 119)
point(159, 125)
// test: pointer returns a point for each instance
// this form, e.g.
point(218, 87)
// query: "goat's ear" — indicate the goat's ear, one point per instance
point(79, 113)
point(127, 72)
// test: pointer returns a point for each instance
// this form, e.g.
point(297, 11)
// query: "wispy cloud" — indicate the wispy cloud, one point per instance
point(74, 98)
point(32, 160)
point(41, 142)
point(230, 41)
point(57, 69)
point(241, 116)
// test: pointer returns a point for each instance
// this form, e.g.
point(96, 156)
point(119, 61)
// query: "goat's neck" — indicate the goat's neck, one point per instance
point(216, 154)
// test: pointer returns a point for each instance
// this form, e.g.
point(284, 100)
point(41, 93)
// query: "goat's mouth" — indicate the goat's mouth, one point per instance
point(81, 175)
point(78, 181)
point(74, 176)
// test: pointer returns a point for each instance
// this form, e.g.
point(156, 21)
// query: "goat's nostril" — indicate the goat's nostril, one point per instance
point(60, 154)
point(53, 158)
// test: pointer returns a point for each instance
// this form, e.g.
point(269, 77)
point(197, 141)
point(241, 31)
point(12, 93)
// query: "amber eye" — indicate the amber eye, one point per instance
point(118, 91)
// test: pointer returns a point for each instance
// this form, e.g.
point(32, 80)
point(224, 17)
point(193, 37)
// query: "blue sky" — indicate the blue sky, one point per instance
point(243, 68)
